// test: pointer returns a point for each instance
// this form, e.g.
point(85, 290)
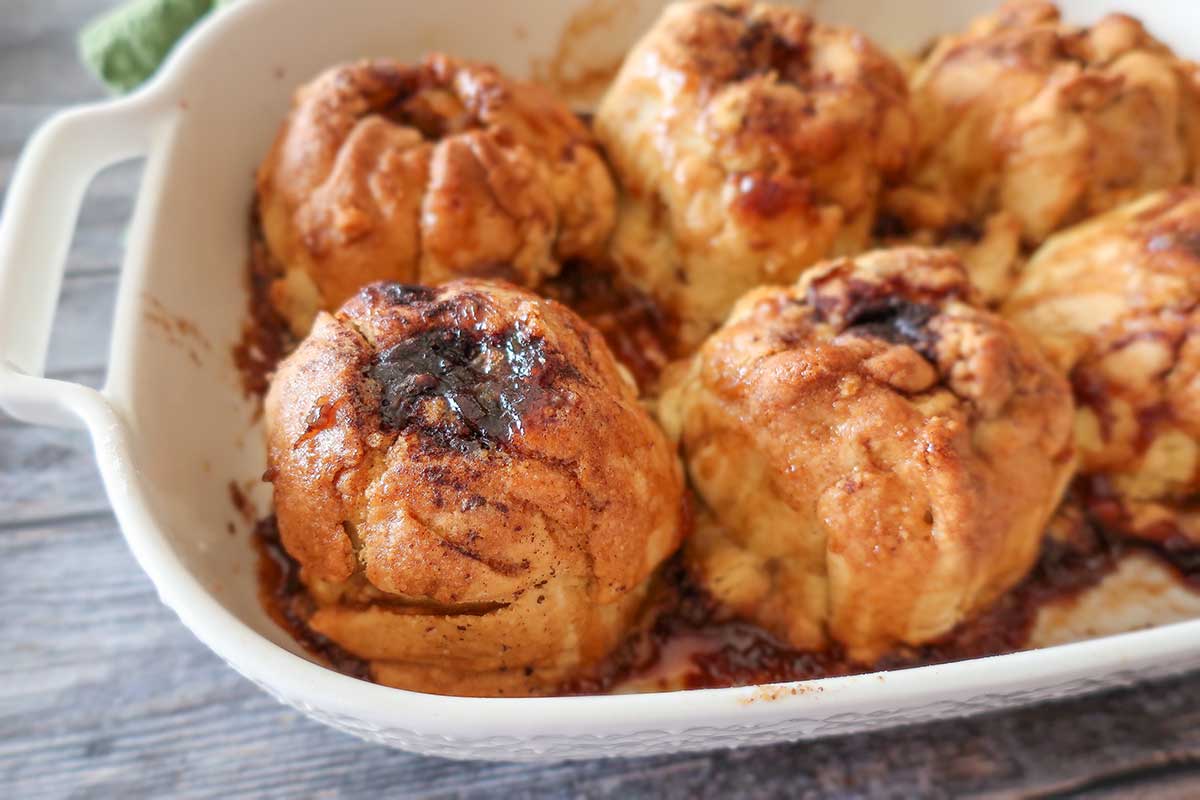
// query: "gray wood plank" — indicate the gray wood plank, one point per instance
point(37, 51)
point(47, 474)
point(80, 336)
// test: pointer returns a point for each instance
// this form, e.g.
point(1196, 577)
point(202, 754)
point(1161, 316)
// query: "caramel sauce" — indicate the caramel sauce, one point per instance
point(888, 226)
point(730, 652)
point(322, 417)
point(761, 196)
point(179, 331)
point(1164, 540)
point(1091, 390)
point(1181, 554)
point(640, 333)
point(572, 71)
point(282, 596)
point(241, 502)
point(265, 337)
point(724, 651)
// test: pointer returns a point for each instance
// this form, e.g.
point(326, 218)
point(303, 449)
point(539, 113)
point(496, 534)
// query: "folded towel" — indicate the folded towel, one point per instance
point(124, 47)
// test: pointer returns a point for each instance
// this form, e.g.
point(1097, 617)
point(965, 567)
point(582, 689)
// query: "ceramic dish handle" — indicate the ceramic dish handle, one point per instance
point(41, 208)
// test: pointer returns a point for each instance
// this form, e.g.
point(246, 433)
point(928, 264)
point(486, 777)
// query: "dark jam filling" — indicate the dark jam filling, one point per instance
point(406, 294)
point(463, 388)
point(762, 50)
point(879, 310)
point(895, 320)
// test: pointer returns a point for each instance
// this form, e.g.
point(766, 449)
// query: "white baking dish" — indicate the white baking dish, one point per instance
point(171, 427)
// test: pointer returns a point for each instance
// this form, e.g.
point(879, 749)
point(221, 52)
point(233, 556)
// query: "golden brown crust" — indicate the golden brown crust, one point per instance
point(749, 142)
point(470, 486)
point(1053, 123)
point(877, 458)
point(425, 173)
point(1116, 302)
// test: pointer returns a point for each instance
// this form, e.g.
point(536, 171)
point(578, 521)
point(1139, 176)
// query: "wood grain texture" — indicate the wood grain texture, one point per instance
point(104, 694)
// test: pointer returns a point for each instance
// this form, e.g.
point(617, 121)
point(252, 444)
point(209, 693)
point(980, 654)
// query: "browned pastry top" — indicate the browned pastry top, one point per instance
point(469, 455)
point(1053, 123)
point(425, 173)
point(877, 457)
point(785, 88)
point(749, 141)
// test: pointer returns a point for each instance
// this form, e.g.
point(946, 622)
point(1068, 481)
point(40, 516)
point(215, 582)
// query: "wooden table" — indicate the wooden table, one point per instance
point(104, 693)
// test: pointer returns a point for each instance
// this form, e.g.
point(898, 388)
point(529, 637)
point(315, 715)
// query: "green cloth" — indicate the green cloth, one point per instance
point(124, 47)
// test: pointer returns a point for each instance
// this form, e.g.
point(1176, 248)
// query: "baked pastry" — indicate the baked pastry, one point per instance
point(422, 174)
point(991, 252)
point(749, 142)
point(475, 497)
point(875, 457)
point(1050, 122)
point(1116, 302)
